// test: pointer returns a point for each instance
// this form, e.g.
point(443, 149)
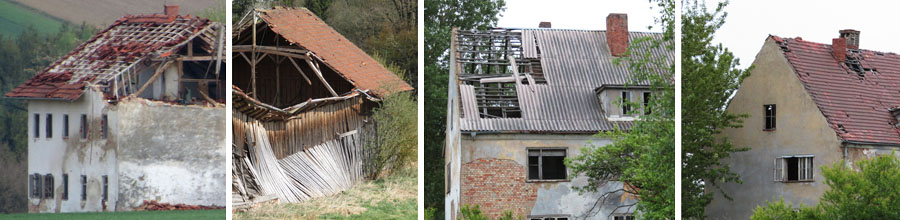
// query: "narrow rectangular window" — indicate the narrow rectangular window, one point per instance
point(84, 126)
point(794, 168)
point(37, 125)
point(83, 187)
point(105, 127)
point(626, 98)
point(35, 185)
point(40, 186)
point(647, 103)
point(449, 176)
point(65, 131)
point(49, 125)
point(547, 164)
point(770, 117)
point(623, 217)
point(65, 182)
point(48, 186)
point(105, 188)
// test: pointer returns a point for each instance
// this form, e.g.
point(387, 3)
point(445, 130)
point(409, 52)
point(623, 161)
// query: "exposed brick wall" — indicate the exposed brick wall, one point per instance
point(617, 33)
point(497, 186)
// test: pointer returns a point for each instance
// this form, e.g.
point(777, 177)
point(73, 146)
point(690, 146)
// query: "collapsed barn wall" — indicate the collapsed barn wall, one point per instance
point(170, 153)
point(92, 156)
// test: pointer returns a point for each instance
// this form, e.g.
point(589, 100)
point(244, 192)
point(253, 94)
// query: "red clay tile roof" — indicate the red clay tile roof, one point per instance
point(109, 53)
point(303, 28)
point(856, 107)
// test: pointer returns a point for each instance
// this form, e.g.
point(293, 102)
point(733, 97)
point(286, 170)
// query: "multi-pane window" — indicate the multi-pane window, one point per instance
point(770, 116)
point(65, 131)
point(83, 187)
point(547, 164)
point(37, 125)
point(623, 217)
point(626, 105)
point(647, 103)
point(65, 192)
point(35, 185)
point(549, 217)
point(49, 125)
point(48, 186)
point(794, 168)
point(84, 126)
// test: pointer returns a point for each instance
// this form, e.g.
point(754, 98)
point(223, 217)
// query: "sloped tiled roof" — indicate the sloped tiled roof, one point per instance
point(304, 29)
point(856, 107)
point(109, 53)
point(574, 62)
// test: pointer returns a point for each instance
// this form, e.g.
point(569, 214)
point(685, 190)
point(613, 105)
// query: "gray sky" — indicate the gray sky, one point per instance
point(576, 14)
point(750, 22)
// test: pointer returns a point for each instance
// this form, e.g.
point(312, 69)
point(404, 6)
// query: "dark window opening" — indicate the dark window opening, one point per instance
point(104, 127)
point(552, 217)
point(49, 125)
point(105, 188)
point(37, 125)
point(794, 168)
point(65, 122)
point(770, 116)
point(449, 177)
point(647, 110)
point(65, 181)
point(84, 126)
point(623, 217)
point(48, 186)
point(35, 185)
point(83, 187)
point(546, 164)
point(626, 106)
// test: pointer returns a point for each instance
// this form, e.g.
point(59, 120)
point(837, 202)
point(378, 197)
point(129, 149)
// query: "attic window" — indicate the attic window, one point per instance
point(497, 100)
point(769, 117)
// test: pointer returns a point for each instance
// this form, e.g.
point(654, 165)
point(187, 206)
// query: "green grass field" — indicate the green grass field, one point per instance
point(190, 214)
point(14, 18)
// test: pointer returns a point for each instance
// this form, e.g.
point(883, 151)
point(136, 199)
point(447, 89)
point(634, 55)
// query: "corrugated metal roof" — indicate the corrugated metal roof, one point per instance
point(861, 105)
point(575, 62)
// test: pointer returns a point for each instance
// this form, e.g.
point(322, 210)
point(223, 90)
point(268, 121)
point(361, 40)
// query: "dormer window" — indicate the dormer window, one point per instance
point(647, 110)
point(626, 106)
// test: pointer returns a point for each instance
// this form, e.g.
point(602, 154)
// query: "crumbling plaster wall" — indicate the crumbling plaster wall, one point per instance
point(801, 129)
point(170, 153)
point(57, 155)
point(508, 152)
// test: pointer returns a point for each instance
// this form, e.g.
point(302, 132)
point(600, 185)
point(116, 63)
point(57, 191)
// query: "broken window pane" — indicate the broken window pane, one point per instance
point(546, 164)
point(533, 167)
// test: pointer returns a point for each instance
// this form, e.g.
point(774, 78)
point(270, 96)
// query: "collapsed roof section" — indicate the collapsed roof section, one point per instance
point(538, 80)
point(113, 59)
point(293, 57)
point(855, 89)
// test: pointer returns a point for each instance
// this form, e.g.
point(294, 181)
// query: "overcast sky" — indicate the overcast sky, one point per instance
point(576, 14)
point(750, 22)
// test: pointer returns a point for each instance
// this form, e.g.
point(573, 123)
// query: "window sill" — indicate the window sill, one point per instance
point(769, 129)
point(548, 181)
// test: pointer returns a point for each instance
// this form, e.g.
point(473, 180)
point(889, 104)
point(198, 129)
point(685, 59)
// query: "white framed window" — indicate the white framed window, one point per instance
point(547, 164)
point(549, 217)
point(795, 168)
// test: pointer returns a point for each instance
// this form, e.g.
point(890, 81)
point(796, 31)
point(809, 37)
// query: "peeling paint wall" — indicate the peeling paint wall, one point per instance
point(552, 198)
point(92, 157)
point(170, 153)
point(801, 129)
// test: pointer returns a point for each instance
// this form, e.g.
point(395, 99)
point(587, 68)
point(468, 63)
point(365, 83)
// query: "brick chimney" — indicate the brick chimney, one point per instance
point(544, 24)
point(852, 37)
point(171, 10)
point(839, 49)
point(617, 33)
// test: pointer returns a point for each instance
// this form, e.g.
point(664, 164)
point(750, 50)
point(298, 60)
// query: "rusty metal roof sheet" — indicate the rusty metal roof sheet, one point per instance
point(109, 53)
point(304, 29)
point(575, 62)
point(856, 107)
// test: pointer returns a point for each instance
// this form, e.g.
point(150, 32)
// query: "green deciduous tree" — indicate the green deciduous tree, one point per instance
point(869, 192)
point(642, 159)
point(442, 16)
point(709, 77)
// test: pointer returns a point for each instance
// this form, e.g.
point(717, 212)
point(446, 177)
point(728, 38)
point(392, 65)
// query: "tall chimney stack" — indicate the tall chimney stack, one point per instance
point(852, 37)
point(617, 33)
point(839, 49)
point(171, 10)
point(544, 24)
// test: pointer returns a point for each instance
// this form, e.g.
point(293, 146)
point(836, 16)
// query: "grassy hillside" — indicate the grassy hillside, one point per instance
point(192, 214)
point(14, 18)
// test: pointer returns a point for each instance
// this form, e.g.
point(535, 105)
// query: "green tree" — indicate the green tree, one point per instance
point(709, 76)
point(869, 192)
point(442, 16)
point(642, 159)
point(319, 7)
